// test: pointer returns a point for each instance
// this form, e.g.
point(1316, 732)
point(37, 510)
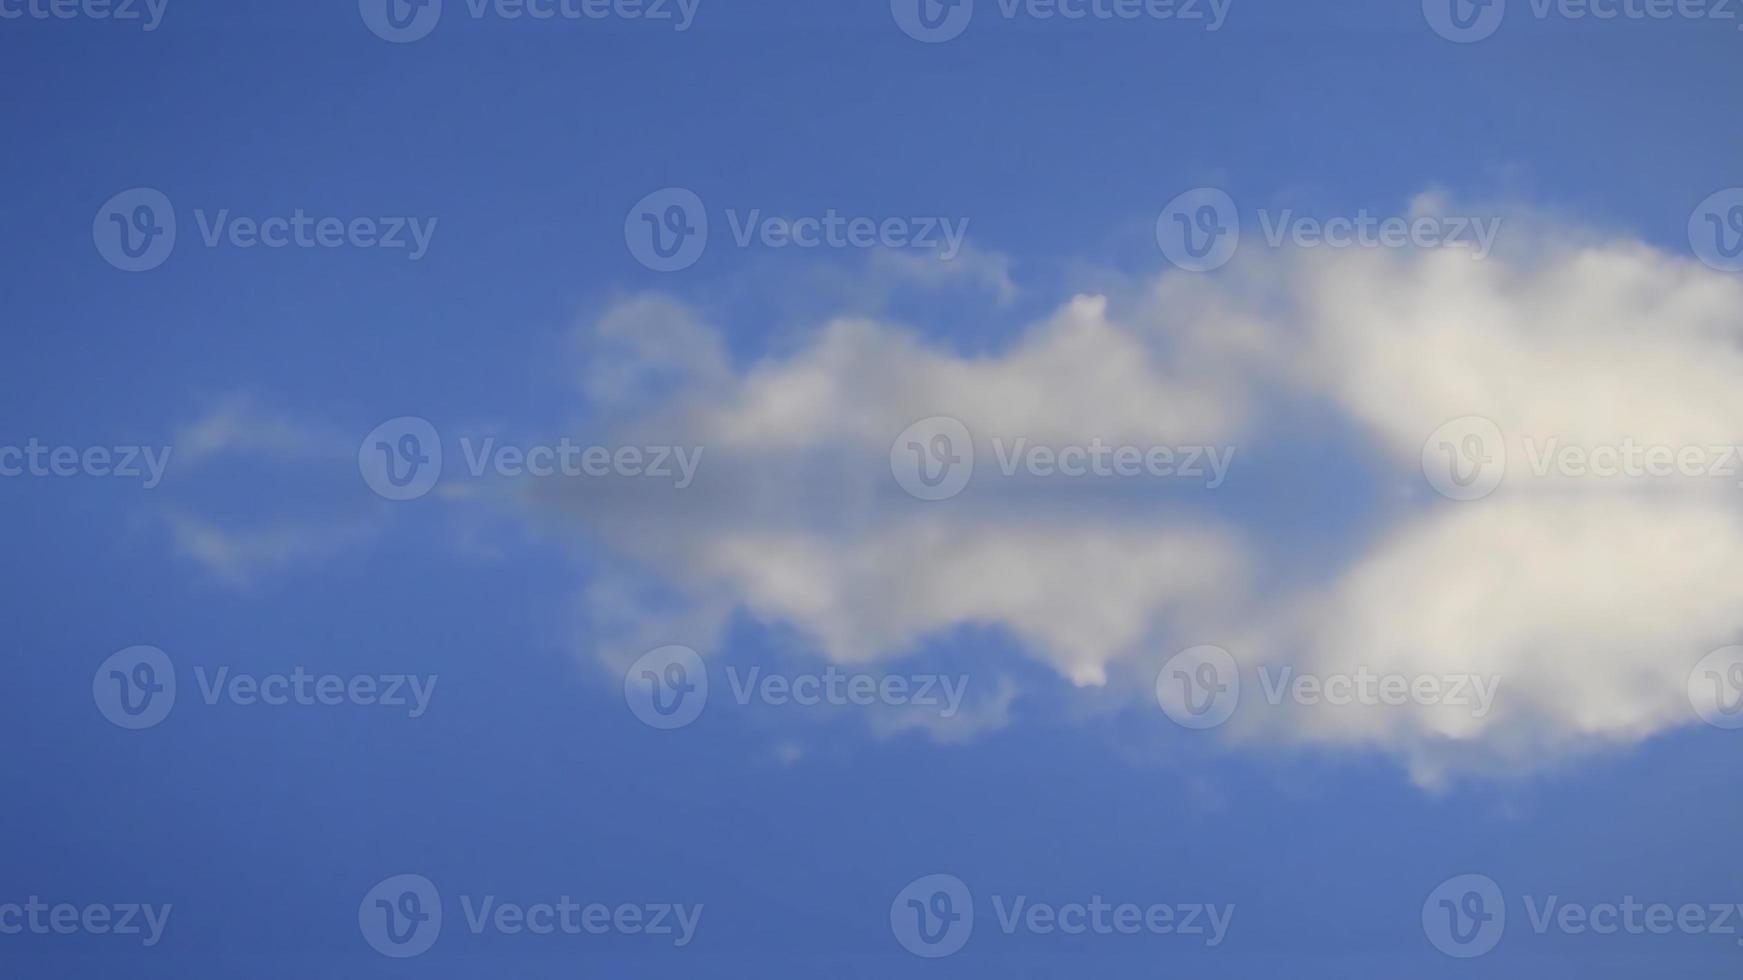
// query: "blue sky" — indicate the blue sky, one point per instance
point(266, 548)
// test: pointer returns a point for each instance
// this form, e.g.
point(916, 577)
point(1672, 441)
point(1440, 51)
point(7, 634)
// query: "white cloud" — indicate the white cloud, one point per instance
point(1590, 609)
point(1590, 599)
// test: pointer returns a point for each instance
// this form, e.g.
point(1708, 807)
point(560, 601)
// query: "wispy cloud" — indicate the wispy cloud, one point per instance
point(239, 557)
